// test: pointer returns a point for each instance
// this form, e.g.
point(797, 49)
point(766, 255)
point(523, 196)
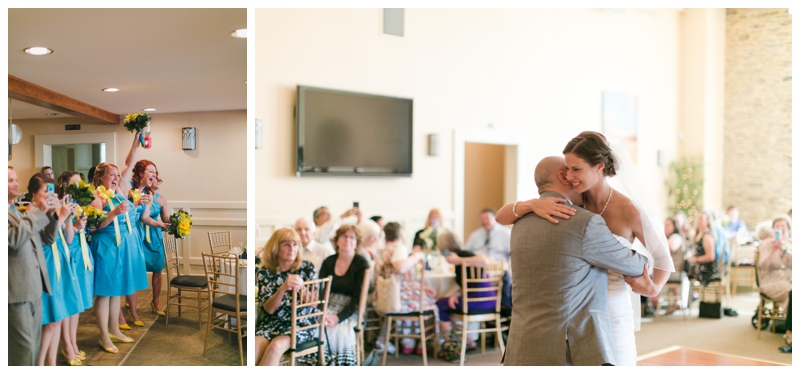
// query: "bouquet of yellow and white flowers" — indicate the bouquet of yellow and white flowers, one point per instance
point(136, 122)
point(82, 193)
point(93, 216)
point(180, 224)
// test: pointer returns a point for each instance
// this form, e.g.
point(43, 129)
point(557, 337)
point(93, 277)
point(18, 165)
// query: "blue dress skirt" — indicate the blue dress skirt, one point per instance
point(65, 299)
point(85, 276)
point(119, 269)
point(153, 249)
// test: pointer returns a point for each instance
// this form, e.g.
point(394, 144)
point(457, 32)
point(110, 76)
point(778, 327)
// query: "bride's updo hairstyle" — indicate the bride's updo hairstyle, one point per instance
point(593, 148)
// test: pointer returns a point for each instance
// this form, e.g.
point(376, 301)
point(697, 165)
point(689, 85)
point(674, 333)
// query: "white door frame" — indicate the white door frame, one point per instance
point(514, 166)
point(43, 145)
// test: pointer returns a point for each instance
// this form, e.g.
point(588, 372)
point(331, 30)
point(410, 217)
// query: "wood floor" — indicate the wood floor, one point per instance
point(678, 356)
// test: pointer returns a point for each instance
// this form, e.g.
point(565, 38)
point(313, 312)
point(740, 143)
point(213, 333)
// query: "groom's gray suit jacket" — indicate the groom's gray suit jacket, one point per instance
point(560, 289)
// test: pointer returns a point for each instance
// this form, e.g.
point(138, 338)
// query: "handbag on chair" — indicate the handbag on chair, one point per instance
point(388, 295)
point(710, 310)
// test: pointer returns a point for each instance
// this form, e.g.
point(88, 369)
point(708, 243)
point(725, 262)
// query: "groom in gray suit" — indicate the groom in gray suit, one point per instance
point(27, 274)
point(560, 283)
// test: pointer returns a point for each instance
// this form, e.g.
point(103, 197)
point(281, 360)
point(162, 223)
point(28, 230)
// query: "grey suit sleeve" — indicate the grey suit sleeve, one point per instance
point(30, 224)
point(50, 232)
point(602, 249)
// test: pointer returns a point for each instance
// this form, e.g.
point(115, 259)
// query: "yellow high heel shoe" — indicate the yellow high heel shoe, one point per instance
point(135, 322)
point(74, 362)
point(109, 350)
point(82, 355)
point(124, 327)
point(156, 311)
point(115, 339)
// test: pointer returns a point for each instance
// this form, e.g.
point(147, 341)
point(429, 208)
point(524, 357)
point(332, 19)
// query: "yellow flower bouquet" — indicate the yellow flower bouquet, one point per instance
point(82, 193)
point(136, 122)
point(180, 224)
point(93, 216)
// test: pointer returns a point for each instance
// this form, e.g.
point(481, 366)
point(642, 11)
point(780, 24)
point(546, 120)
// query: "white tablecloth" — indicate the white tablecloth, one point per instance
point(242, 279)
point(444, 283)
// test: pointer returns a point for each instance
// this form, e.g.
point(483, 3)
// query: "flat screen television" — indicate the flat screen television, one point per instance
point(350, 133)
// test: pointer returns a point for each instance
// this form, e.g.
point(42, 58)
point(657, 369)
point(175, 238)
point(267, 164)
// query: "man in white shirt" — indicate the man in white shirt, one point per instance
point(491, 240)
point(312, 251)
point(327, 226)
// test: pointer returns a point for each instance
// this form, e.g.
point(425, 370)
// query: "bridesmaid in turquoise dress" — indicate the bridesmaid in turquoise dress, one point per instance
point(82, 264)
point(62, 302)
point(151, 231)
point(119, 264)
point(140, 178)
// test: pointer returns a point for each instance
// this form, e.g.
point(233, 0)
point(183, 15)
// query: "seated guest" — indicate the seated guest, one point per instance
point(347, 269)
point(394, 260)
point(313, 251)
point(370, 237)
point(432, 225)
point(327, 225)
point(282, 271)
point(450, 247)
point(677, 247)
point(379, 221)
point(775, 261)
point(736, 225)
point(704, 261)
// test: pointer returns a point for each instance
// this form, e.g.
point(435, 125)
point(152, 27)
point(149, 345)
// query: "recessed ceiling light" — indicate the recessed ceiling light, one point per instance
point(38, 51)
point(53, 114)
point(111, 89)
point(149, 109)
point(241, 33)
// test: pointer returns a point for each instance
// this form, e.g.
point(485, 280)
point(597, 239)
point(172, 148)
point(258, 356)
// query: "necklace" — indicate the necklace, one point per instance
point(604, 207)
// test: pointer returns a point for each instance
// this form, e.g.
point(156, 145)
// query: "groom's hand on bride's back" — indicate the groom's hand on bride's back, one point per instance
point(643, 284)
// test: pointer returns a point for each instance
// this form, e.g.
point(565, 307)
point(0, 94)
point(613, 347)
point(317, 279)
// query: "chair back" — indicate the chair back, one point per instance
point(222, 273)
point(758, 280)
point(171, 259)
point(415, 275)
point(220, 241)
point(362, 315)
point(481, 284)
point(315, 295)
point(362, 301)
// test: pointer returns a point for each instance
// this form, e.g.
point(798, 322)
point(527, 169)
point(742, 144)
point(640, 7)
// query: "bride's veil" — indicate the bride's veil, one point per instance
point(630, 182)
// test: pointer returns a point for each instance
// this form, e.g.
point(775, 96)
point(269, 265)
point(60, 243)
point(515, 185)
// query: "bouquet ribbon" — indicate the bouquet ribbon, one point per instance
point(116, 222)
point(87, 263)
point(56, 256)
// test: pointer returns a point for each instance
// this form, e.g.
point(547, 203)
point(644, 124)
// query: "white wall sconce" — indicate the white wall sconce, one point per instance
point(258, 134)
point(189, 138)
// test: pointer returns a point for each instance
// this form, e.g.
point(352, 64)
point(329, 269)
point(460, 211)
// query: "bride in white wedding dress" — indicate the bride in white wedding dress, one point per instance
point(630, 216)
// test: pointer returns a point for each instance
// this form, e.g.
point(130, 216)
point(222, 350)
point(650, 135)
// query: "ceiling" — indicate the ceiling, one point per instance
point(174, 60)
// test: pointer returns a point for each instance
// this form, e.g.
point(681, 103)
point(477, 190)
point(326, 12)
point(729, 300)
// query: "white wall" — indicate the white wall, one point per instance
point(534, 72)
point(210, 182)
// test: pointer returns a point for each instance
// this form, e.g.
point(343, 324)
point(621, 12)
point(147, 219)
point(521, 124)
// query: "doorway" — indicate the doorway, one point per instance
point(486, 169)
point(484, 181)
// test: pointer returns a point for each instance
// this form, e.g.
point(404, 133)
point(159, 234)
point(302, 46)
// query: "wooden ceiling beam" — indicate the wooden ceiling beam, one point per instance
point(37, 95)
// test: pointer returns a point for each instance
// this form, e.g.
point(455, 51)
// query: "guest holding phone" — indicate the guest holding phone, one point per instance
point(775, 261)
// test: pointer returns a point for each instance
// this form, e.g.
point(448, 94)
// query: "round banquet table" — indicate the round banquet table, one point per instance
point(443, 282)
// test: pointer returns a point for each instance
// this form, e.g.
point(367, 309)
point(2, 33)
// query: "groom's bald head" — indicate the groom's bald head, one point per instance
point(546, 175)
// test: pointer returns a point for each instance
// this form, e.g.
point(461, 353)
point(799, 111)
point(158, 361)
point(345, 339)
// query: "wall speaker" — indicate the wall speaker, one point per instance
point(393, 21)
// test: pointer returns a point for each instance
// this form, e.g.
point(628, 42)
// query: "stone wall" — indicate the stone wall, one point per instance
point(757, 168)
